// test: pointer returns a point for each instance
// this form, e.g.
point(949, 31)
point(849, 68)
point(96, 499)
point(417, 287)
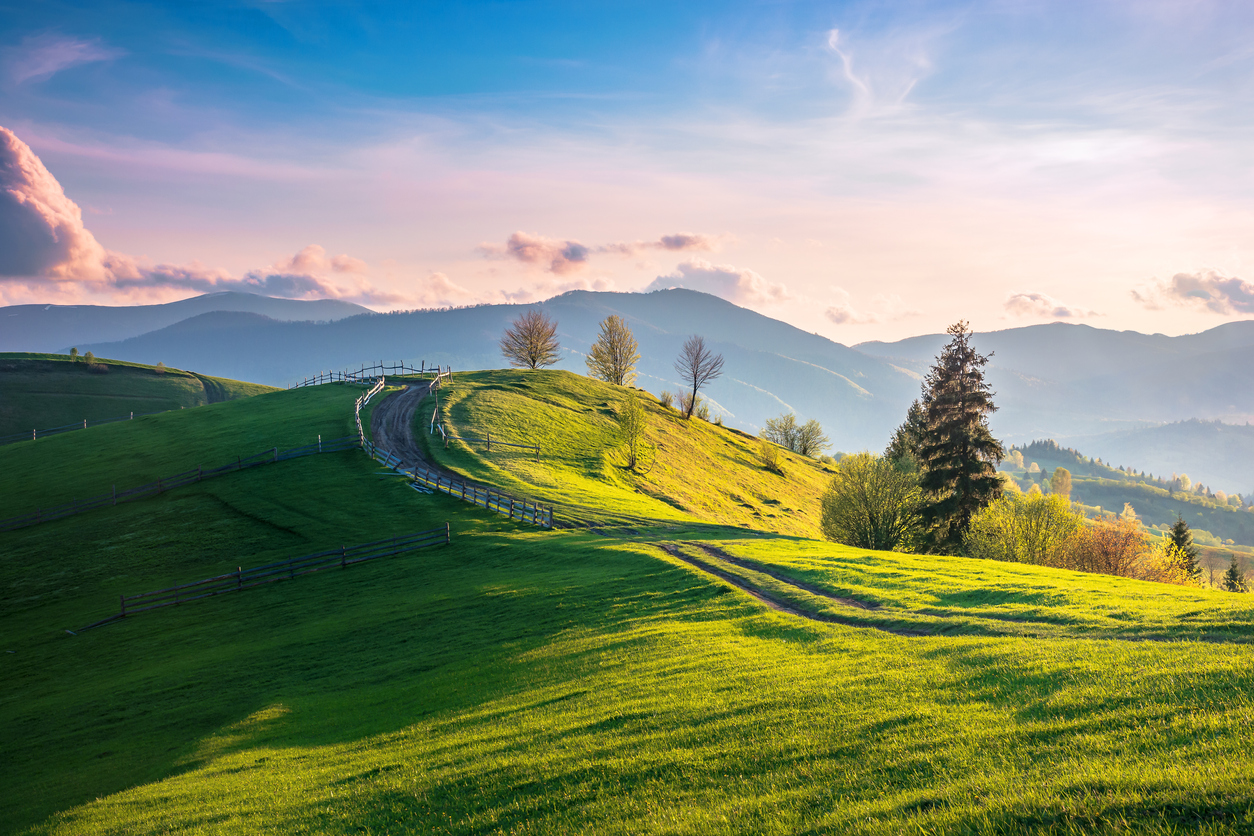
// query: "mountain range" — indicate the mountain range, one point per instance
point(1120, 395)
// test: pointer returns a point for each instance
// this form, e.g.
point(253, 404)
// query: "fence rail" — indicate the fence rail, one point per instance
point(242, 578)
point(36, 434)
point(521, 510)
point(367, 373)
point(178, 480)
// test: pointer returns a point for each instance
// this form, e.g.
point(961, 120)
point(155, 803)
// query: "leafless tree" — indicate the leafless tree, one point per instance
point(614, 355)
point(531, 341)
point(697, 366)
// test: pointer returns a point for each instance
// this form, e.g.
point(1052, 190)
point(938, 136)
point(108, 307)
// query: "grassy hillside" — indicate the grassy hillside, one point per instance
point(576, 681)
point(1101, 486)
point(701, 471)
point(38, 391)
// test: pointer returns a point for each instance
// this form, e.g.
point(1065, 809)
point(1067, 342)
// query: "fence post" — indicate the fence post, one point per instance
point(489, 442)
point(343, 557)
point(34, 434)
point(239, 578)
point(319, 442)
point(132, 416)
point(276, 454)
point(84, 423)
point(447, 535)
point(115, 494)
point(123, 597)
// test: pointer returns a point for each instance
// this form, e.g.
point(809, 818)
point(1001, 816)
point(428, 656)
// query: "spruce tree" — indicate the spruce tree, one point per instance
point(1234, 578)
point(958, 454)
point(903, 448)
point(1182, 537)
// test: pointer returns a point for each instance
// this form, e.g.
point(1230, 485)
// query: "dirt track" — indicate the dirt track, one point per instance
point(392, 424)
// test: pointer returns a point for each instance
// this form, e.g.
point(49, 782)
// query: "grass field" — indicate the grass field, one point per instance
point(40, 391)
point(526, 681)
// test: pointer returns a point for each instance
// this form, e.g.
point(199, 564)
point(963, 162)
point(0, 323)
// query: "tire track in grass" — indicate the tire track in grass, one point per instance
point(774, 602)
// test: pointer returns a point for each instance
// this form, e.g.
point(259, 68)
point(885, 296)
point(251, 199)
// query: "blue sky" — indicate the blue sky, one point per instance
point(864, 170)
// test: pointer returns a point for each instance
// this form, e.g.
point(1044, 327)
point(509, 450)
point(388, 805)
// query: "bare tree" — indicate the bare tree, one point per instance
point(697, 366)
point(531, 341)
point(613, 357)
point(807, 439)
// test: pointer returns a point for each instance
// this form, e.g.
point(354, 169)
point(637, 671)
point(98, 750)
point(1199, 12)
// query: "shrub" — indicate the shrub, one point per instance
point(98, 368)
point(667, 398)
point(805, 439)
point(872, 504)
point(768, 455)
point(701, 409)
point(1024, 528)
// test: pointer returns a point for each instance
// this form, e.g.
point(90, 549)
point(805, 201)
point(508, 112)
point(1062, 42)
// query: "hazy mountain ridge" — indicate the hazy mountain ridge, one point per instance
point(55, 328)
point(770, 365)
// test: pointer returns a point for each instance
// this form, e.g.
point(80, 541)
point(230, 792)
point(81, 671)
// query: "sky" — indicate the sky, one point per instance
point(862, 170)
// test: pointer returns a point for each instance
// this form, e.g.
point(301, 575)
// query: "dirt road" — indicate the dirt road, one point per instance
point(392, 424)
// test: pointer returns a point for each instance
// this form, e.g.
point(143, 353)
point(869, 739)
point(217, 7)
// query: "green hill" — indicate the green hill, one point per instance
point(40, 391)
point(1216, 521)
point(610, 679)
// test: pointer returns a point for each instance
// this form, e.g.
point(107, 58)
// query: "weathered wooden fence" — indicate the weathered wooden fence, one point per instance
point(367, 373)
point(242, 578)
point(178, 480)
point(36, 434)
point(502, 503)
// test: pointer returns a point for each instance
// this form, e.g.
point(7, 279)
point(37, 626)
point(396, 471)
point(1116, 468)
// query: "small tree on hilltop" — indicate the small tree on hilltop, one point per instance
point(1234, 578)
point(531, 341)
point(806, 439)
point(633, 423)
point(90, 358)
point(74, 355)
point(614, 355)
point(697, 366)
point(1182, 538)
point(958, 454)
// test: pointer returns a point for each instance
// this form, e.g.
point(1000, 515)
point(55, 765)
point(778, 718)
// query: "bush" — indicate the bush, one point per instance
point(98, 368)
point(667, 398)
point(768, 455)
point(872, 504)
point(1024, 528)
point(159, 368)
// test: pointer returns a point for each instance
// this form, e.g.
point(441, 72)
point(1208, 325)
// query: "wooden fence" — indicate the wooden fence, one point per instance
point(367, 373)
point(242, 578)
point(502, 503)
point(178, 480)
point(77, 425)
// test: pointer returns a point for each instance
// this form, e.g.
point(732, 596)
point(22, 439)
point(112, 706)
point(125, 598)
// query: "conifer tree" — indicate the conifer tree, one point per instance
point(903, 448)
point(1234, 578)
point(958, 454)
point(1182, 537)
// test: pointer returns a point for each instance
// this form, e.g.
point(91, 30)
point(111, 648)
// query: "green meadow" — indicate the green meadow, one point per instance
point(41, 391)
point(613, 676)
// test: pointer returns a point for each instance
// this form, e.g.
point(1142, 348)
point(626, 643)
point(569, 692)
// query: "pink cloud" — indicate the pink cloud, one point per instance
point(1041, 305)
point(46, 252)
point(1206, 289)
point(743, 287)
point(565, 256)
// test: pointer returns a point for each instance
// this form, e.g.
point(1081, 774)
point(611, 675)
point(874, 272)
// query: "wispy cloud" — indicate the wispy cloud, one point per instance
point(1206, 290)
point(885, 307)
point(1042, 305)
point(744, 287)
point(39, 57)
point(562, 257)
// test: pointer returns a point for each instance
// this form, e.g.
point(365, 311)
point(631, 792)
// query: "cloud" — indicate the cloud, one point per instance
point(743, 287)
point(884, 307)
point(1206, 289)
point(565, 256)
point(45, 251)
point(1041, 305)
point(550, 254)
point(41, 230)
point(39, 57)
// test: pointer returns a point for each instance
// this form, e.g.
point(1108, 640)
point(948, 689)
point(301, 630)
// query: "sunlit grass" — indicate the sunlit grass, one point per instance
point(527, 681)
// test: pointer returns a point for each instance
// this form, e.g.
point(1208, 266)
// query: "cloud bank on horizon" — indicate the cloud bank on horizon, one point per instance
point(860, 170)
